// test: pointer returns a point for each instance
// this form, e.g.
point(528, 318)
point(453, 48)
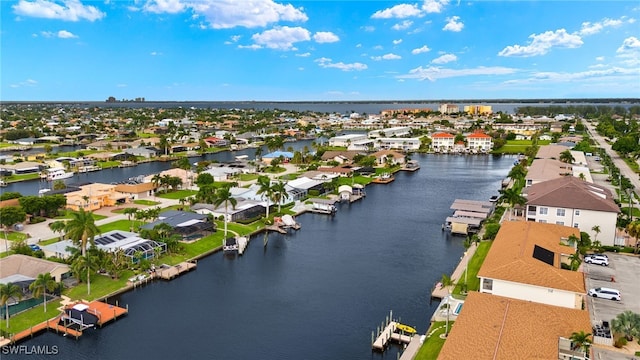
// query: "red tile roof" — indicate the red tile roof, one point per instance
point(442, 135)
point(479, 135)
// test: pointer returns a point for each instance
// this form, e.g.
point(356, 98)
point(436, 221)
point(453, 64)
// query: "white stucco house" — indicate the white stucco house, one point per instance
point(442, 141)
point(525, 263)
point(573, 202)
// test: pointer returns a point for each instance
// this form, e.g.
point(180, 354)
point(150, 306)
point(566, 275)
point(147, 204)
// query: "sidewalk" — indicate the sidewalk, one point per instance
point(458, 274)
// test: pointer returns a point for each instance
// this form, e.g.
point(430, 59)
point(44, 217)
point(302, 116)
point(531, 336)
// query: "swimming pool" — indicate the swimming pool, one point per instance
point(458, 309)
point(21, 306)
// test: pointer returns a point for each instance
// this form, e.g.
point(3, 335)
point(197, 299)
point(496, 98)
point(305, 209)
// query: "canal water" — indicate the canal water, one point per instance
point(312, 294)
point(115, 175)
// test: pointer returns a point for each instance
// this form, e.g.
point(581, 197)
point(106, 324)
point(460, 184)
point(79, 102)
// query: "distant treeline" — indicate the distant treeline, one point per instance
point(586, 111)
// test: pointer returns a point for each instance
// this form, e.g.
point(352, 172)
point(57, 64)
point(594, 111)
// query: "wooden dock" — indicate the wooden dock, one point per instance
point(389, 331)
point(103, 311)
point(173, 271)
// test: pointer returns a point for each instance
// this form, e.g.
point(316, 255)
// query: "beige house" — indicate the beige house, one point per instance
point(573, 202)
point(137, 191)
point(547, 169)
point(95, 196)
point(14, 268)
point(385, 156)
point(525, 263)
point(500, 328)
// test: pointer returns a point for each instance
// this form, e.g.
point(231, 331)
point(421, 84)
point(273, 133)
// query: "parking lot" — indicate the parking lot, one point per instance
point(623, 274)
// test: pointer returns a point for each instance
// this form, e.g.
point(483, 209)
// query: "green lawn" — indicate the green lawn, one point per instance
point(76, 153)
point(31, 317)
point(14, 236)
point(248, 177)
point(101, 286)
point(67, 215)
point(108, 164)
point(176, 195)
point(14, 178)
point(271, 170)
point(145, 202)
point(124, 225)
point(518, 146)
point(474, 266)
point(433, 344)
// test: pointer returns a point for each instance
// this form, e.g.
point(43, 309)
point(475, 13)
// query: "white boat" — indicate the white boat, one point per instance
point(230, 244)
point(3, 183)
point(57, 174)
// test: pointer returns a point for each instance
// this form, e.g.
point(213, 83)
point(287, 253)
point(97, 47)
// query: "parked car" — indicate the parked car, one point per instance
point(35, 247)
point(597, 260)
point(605, 293)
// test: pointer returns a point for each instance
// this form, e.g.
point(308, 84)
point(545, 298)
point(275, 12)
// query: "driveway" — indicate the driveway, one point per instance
point(622, 274)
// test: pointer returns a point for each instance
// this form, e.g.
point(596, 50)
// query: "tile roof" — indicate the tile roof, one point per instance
point(551, 151)
point(511, 256)
point(28, 266)
point(135, 188)
point(442, 135)
point(479, 135)
point(548, 169)
point(496, 327)
point(571, 193)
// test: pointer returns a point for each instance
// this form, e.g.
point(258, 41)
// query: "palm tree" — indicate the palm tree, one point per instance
point(513, 197)
point(566, 157)
point(58, 226)
point(575, 260)
point(279, 193)
point(627, 323)
point(223, 196)
point(81, 229)
point(156, 180)
point(517, 173)
point(596, 230)
point(265, 190)
point(9, 291)
point(634, 230)
point(40, 286)
point(580, 340)
point(130, 212)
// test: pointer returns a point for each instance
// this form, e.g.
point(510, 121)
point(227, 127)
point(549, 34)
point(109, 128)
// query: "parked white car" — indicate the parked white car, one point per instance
point(605, 293)
point(597, 260)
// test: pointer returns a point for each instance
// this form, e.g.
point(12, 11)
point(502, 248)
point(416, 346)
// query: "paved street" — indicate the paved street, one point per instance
point(624, 168)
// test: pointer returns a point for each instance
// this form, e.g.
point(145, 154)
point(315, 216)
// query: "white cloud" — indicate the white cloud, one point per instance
point(600, 58)
point(589, 28)
point(26, 83)
point(378, 47)
point(282, 38)
point(420, 50)
point(250, 47)
point(301, 68)
point(307, 54)
point(443, 59)
point(396, 42)
point(47, 34)
point(235, 38)
point(325, 37)
point(453, 24)
point(399, 11)
point(629, 44)
point(70, 10)
point(389, 56)
point(164, 6)
point(328, 63)
point(434, 6)
point(358, 45)
point(155, 53)
point(588, 76)
point(402, 25)
point(368, 28)
point(121, 85)
point(226, 14)
point(542, 43)
point(433, 73)
point(64, 34)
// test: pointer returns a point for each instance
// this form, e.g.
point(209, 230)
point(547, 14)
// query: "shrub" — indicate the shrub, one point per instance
point(490, 231)
point(621, 342)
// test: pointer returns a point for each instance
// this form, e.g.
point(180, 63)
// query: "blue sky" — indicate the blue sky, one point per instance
point(226, 50)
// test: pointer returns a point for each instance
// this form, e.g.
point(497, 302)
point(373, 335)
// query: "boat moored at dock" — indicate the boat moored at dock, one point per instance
point(54, 174)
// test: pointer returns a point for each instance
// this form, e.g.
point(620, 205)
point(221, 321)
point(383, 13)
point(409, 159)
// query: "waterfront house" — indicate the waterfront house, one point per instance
point(384, 157)
point(403, 144)
point(137, 191)
point(547, 169)
point(244, 209)
point(189, 225)
point(145, 152)
point(21, 168)
point(19, 268)
point(442, 142)
point(573, 202)
point(285, 155)
point(346, 140)
point(551, 151)
point(501, 328)
point(95, 196)
point(398, 131)
point(339, 156)
point(479, 141)
point(525, 262)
